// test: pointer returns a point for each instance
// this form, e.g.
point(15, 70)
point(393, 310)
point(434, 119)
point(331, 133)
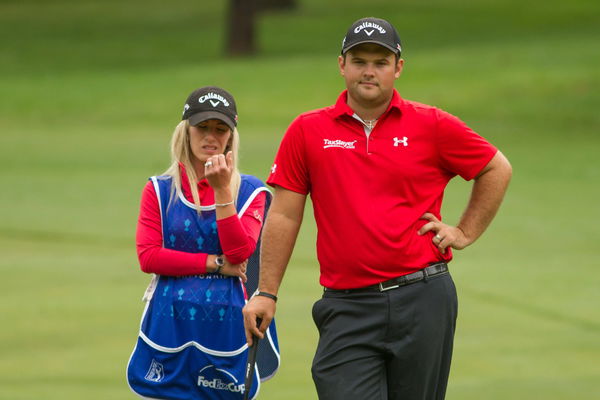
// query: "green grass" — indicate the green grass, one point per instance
point(90, 92)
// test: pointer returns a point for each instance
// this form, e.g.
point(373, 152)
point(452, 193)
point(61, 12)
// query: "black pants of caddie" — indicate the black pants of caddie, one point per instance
point(391, 345)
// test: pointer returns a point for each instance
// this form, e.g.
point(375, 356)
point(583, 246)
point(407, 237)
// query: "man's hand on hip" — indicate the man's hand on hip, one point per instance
point(445, 235)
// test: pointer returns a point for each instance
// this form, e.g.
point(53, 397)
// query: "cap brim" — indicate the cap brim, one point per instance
point(390, 48)
point(205, 115)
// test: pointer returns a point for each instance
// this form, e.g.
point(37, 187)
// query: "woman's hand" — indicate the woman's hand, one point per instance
point(228, 268)
point(238, 270)
point(218, 169)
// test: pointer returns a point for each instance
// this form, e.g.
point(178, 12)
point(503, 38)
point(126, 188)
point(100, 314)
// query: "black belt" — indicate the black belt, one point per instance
point(432, 270)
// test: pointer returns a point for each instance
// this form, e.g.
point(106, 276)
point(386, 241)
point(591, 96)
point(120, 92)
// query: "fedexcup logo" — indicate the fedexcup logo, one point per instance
point(219, 379)
point(338, 143)
point(366, 25)
point(185, 108)
point(214, 99)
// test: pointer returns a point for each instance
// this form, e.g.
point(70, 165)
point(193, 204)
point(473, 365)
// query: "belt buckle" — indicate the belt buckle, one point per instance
point(382, 289)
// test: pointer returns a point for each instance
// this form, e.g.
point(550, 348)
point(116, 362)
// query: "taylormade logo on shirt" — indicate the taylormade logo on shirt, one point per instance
point(338, 143)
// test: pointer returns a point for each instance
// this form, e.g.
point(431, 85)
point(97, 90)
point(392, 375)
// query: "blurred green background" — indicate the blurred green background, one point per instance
point(90, 92)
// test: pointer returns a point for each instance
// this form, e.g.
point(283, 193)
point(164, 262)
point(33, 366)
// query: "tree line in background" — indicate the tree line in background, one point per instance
point(241, 24)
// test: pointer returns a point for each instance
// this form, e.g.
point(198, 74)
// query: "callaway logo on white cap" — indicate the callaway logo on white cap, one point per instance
point(217, 98)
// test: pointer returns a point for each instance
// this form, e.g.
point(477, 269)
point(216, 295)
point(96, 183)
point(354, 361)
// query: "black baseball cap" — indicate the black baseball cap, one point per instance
point(372, 30)
point(210, 102)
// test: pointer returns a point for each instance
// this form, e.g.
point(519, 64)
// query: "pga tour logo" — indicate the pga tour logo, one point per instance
point(338, 143)
point(214, 378)
point(156, 372)
point(214, 99)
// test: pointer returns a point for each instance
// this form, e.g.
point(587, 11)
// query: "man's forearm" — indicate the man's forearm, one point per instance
point(487, 194)
point(278, 241)
point(278, 238)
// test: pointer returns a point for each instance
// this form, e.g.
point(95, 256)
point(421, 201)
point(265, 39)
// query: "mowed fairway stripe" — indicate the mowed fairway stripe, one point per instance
point(531, 309)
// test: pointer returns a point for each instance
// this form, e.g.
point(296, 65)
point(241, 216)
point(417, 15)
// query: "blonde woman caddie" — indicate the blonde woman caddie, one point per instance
point(199, 225)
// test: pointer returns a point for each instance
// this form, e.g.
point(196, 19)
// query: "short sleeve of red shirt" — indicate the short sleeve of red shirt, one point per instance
point(462, 151)
point(289, 169)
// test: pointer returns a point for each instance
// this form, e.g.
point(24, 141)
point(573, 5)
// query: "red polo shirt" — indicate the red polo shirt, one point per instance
point(369, 193)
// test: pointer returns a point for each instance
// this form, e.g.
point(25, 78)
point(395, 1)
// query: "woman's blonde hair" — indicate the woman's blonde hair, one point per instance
point(181, 152)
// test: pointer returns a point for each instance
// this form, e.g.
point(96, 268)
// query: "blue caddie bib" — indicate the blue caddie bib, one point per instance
point(191, 343)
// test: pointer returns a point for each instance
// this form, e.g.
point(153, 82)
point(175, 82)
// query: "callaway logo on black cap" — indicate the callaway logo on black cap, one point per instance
point(372, 30)
point(210, 102)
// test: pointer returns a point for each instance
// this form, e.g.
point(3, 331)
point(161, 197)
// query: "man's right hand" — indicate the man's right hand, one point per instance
point(258, 307)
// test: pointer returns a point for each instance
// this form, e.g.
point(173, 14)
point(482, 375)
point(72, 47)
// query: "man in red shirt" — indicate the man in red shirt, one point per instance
point(376, 166)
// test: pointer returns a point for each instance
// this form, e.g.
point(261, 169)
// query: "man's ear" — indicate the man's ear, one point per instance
point(341, 64)
point(399, 67)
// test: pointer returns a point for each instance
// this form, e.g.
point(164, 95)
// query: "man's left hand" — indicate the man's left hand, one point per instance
point(445, 235)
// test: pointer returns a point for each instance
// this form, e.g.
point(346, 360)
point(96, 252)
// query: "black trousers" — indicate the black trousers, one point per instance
point(392, 345)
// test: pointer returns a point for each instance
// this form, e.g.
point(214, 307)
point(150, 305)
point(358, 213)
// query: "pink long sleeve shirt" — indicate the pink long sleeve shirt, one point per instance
point(238, 236)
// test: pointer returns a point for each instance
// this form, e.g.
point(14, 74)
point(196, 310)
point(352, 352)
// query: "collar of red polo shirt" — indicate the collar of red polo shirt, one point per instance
point(341, 106)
